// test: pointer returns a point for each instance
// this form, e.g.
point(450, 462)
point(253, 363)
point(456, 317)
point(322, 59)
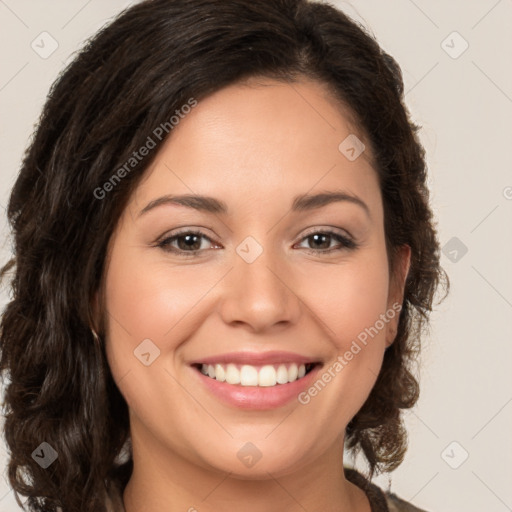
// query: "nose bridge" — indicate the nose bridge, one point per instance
point(257, 292)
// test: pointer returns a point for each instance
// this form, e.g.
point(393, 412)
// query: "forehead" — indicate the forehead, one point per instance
point(260, 140)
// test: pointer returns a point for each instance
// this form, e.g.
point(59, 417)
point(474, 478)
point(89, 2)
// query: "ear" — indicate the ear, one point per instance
point(396, 290)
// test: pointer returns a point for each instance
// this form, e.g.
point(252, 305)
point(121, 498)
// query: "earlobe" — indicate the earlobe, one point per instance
point(390, 338)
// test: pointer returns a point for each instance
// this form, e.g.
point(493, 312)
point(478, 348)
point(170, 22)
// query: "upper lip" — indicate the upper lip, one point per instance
point(257, 358)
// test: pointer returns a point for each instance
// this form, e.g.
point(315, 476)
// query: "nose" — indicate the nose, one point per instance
point(260, 295)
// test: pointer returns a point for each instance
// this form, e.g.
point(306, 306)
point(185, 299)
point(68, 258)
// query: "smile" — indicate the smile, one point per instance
point(251, 375)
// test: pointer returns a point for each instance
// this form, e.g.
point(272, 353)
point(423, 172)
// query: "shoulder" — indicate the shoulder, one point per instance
point(380, 501)
point(396, 504)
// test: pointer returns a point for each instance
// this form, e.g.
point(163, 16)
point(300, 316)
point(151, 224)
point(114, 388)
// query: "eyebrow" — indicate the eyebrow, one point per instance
point(300, 203)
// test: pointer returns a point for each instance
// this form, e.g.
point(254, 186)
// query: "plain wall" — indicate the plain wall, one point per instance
point(464, 104)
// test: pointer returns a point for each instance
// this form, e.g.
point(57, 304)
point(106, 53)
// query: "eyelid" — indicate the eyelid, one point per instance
point(327, 229)
point(197, 231)
point(183, 231)
point(346, 240)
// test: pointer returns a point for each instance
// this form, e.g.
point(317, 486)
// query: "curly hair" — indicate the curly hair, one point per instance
point(129, 78)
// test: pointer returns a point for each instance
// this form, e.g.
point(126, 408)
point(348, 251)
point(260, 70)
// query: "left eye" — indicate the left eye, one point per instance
point(190, 242)
point(319, 237)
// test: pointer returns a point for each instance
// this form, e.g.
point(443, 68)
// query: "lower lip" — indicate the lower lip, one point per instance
point(255, 397)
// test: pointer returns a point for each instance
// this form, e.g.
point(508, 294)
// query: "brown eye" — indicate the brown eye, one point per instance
point(186, 242)
point(320, 242)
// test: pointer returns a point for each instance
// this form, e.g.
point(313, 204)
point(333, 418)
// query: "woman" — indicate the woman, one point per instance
point(176, 340)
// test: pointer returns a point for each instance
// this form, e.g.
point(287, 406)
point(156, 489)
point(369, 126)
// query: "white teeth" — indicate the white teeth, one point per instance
point(220, 374)
point(267, 376)
point(232, 374)
point(248, 375)
point(282, 374)
point(293, 372)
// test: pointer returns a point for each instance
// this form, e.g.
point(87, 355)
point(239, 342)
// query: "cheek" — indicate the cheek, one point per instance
point(149, 300)
point(349, 298)
point(346, 380)
point(350, 304)
point(146, 302)
point(139, 307)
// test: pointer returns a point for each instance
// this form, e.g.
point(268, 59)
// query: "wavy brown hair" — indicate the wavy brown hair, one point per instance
point(128, 79)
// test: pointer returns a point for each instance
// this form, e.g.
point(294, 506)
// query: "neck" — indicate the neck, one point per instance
point(163, 480)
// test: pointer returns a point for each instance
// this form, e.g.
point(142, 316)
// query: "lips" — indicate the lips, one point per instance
point(227, 373)
point(256, 368)
point(257, 359)
point(250, 395)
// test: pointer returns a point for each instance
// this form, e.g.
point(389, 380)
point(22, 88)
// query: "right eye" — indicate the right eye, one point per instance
point(188, 241)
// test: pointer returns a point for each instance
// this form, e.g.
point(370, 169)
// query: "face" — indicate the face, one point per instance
point(271, 282)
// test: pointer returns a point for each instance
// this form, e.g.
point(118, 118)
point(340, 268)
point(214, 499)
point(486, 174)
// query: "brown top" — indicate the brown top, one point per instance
point(379, 501)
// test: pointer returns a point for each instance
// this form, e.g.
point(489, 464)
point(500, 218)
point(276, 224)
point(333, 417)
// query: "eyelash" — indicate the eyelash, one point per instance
point(347, 243)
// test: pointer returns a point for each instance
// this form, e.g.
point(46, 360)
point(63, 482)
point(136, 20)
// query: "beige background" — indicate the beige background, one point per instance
point(465, 107)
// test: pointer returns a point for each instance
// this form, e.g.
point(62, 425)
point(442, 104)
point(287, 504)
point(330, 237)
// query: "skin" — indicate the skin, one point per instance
point(254, 146)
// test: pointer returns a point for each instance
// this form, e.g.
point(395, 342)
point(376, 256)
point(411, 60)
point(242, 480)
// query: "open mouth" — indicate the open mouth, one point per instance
point(256, 375)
